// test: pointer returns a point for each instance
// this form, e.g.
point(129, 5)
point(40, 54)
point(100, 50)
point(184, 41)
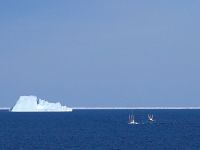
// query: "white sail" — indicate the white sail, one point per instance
point(150, 117)
point(132, 120)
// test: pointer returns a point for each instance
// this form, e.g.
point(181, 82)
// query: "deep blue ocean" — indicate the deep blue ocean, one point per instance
point(100, 130)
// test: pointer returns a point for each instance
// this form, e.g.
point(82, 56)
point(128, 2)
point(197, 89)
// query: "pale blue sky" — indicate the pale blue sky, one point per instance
point(101, 53)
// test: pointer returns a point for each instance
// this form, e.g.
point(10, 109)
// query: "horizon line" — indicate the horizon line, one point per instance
point(136, 107)
point(99, 108)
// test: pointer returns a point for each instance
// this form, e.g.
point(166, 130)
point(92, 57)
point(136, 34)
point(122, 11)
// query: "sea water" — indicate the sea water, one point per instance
point(100, 130)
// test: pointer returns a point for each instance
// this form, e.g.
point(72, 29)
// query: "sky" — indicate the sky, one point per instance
point(101, 52)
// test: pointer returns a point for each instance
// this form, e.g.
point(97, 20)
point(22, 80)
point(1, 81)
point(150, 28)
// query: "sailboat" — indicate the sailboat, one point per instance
point(150, 118)
point(131, 120)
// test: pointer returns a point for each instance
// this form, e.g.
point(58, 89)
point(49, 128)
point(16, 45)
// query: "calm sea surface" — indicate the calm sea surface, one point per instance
point(100, 130)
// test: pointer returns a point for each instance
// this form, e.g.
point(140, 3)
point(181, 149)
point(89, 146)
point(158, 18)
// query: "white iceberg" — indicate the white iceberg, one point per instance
point(33, 104)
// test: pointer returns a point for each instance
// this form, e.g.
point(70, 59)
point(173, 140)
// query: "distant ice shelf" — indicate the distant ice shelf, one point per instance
point(34, 104)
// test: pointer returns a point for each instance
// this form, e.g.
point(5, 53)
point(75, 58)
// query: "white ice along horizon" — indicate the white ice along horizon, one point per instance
point(34, 104)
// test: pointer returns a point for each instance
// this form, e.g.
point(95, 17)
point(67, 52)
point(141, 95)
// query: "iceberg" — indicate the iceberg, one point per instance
point(34, 104)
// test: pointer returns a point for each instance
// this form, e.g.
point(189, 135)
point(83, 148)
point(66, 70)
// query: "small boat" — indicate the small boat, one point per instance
point(150, 118)
point(131, 120)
